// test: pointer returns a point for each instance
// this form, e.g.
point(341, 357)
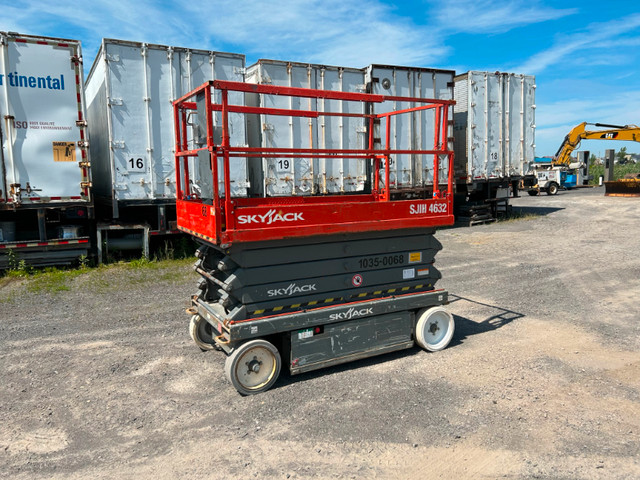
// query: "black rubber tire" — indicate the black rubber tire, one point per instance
point(201, 333)
point(253, 367)
point(533, 193)
point(553, 189)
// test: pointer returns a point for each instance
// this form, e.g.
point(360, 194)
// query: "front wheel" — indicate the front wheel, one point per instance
point(201, 333)
point(553, 189)
point(434, 328)
point(253, 367)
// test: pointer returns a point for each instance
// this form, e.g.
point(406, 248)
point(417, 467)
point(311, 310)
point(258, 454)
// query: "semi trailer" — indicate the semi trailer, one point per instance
point(46, 208)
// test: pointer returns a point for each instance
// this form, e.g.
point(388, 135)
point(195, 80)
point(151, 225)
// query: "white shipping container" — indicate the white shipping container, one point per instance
point(304, 176)
point(44, 157)
point(494, 123)
point(130, 91)
point(414, 131)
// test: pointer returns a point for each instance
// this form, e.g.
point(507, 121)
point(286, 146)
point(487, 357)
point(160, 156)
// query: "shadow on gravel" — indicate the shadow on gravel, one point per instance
point(538, 211)
point(465, 327)
point(287, 379)
point(496, 317)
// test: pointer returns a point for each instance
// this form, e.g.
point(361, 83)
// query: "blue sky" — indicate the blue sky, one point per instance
point(585, 55)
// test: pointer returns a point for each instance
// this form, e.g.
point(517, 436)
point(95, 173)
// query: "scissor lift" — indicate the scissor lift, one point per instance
point(312, 280)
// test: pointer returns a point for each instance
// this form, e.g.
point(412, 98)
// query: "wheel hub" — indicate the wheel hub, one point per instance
point(433, 328)
point(253, 365)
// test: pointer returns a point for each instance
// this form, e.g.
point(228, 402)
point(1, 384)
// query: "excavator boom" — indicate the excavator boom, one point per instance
point(579, 133)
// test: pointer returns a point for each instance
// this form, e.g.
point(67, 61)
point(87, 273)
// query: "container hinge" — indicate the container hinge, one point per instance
point(86, 184)
point(112, 57)
point(115, 101)
point(9, 117)
point(76, 59)
point(84, 164)
point(81, 123)
point(117, 144)
point(83, 144)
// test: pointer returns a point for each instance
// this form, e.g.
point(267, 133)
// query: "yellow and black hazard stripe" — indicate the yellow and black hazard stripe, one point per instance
point(344, 299)
point(199, 235)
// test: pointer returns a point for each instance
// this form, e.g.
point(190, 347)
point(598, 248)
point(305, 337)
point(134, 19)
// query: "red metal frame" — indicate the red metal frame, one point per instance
point(225, 220)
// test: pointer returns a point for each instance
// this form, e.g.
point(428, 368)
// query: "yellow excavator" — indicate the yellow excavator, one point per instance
point(624, 187)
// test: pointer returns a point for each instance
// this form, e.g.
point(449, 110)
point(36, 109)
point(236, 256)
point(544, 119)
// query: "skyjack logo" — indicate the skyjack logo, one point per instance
point(270, 217)
point(351, 313)
point(291, 289)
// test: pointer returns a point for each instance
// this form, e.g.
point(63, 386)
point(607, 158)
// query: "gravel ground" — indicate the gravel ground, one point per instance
point(541, 380)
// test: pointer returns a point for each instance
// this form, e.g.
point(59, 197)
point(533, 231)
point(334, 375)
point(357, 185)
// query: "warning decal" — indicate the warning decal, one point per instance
point(415, 257)
point(64, 152)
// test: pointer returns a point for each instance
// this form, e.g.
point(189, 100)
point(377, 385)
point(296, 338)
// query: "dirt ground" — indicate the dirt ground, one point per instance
point(541, 380)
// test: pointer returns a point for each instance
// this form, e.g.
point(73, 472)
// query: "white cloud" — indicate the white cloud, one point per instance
point(493, 16)
point(560, 117)
point(598, 38)
point(340, 32)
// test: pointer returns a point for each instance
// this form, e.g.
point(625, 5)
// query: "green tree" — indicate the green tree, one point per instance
point(620, 156)
point(593, 159)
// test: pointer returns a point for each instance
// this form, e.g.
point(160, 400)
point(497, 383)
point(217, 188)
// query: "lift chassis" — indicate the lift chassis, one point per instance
point(320, 337)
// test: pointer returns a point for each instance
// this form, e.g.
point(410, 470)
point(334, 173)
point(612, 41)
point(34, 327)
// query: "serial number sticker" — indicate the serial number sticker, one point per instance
point(308, 333)
point(382, 261)
point(423, 271)
point(254, 329)
point(415, 257)
point(408, 273)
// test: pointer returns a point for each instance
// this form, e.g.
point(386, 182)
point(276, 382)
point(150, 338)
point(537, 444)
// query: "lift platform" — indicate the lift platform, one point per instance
point(311, 279)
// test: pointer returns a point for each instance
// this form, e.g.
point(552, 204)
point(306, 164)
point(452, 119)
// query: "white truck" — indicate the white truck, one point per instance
point(45, 188)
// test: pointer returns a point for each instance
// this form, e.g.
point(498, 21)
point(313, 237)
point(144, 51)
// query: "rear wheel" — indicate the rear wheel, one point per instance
point(253, 367)
point(553, 189)
point(201, 333)
point(434, 328)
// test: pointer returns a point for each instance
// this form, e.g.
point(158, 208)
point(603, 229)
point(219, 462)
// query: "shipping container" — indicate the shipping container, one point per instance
point(130, 90)
point(45, 196)
point(307, 176)
point(494, 123)
point(415, 131)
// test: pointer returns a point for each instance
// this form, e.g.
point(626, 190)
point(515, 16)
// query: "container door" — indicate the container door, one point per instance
point(160, 93)
point(196, 69)
point(336, 133)
point(40, 105)
point(417, 130)
point(437, 85)
point(520, 123)
point(132, 158)
point(287, 176)
point(486, 124)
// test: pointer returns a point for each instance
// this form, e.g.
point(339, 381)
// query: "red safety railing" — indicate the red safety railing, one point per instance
point(224, 219)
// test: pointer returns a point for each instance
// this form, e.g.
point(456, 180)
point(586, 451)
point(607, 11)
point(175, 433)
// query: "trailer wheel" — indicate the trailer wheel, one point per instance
point(434, 328)
point(201, 333)
point(253, 367)
point(553, 189)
